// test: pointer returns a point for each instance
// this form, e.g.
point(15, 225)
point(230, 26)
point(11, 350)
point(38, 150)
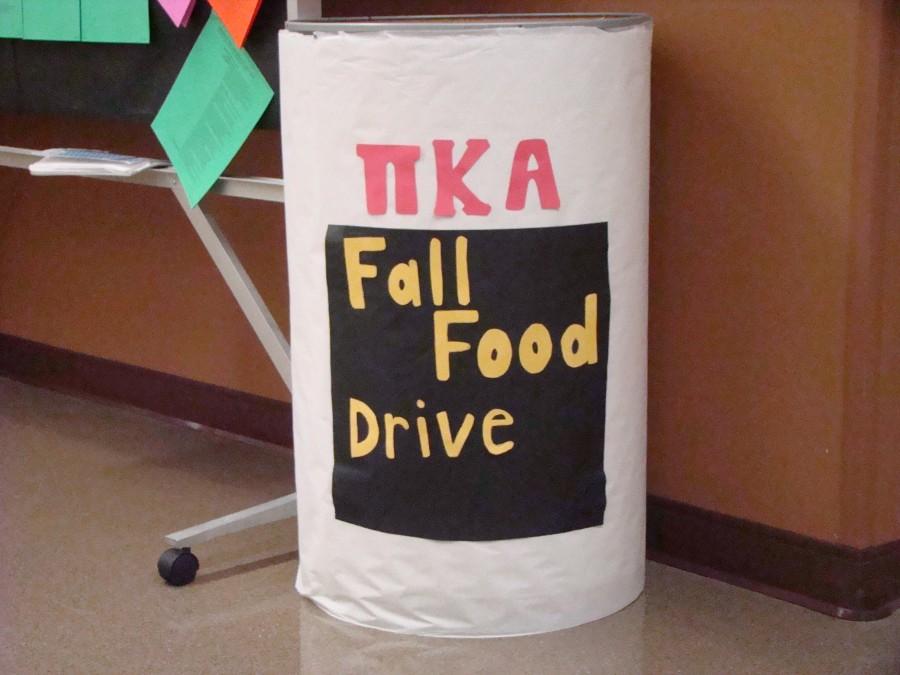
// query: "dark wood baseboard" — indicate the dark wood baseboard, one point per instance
point(236, 412)
point(845, 582)
point(858, 584)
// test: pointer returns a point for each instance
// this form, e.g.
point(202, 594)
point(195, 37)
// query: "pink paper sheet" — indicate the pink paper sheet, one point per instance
point(178, 10)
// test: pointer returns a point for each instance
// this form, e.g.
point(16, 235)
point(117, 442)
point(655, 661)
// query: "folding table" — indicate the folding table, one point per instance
point(178, 565)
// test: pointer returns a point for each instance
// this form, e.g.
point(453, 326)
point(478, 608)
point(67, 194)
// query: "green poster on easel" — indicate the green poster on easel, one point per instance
point(51, 20)
point(216, 101)
point(115, 21)
point(10, 18)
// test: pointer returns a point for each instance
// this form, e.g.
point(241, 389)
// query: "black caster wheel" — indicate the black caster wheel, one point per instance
point(178, 566)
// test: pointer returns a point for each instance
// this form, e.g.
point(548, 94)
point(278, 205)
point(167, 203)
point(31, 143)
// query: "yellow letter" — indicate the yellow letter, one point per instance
point(462, 271)
point(535, 348)
point(453, 446)
point(357, 271)
point(436, 271)
point(579, 343)
point(422, 427)
point(403, 284)
point(362, 448)
point(496, 418)
point(443, 346)
point(389, 423)
point(494, 353)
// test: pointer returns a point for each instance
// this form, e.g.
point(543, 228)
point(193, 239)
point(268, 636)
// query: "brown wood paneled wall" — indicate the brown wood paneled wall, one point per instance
point(116, 271)
point(774, 317)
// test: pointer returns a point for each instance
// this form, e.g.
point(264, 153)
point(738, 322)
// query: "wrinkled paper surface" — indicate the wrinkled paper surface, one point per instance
point(585, 92)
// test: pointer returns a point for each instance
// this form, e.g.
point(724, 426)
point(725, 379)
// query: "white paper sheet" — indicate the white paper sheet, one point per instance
point(585, 92)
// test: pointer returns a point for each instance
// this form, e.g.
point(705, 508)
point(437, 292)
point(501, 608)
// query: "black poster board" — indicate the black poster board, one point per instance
point(123, 81)
point(468, 454)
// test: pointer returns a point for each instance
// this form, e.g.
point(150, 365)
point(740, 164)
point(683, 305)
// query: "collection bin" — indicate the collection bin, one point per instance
point(466, 209)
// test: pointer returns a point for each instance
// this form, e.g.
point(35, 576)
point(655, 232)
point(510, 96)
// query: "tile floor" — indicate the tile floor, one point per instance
point(87, 490)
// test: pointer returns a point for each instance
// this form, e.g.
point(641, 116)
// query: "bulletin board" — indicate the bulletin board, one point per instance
point(122, 81)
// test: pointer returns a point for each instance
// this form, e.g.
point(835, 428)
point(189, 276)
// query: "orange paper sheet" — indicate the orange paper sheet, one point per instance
point(238, 16)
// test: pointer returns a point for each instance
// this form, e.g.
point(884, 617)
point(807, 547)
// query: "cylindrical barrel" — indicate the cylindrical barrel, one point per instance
point(466, 210)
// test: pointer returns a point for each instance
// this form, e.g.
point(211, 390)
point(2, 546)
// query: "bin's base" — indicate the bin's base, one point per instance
point(624, 596)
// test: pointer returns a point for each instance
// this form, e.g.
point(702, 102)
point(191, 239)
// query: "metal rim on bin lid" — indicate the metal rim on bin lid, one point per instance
point(603, 21)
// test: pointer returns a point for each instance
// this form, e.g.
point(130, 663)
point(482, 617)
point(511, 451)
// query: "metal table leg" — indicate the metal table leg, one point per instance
point(178, 565)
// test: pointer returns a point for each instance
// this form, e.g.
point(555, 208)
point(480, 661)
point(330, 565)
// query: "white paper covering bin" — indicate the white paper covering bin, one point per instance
point(467, 246)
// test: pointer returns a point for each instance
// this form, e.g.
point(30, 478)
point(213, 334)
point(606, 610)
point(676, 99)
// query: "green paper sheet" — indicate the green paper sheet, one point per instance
point(10, 18)
point(51, 20)
point(217, 99)
point(115, 21)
